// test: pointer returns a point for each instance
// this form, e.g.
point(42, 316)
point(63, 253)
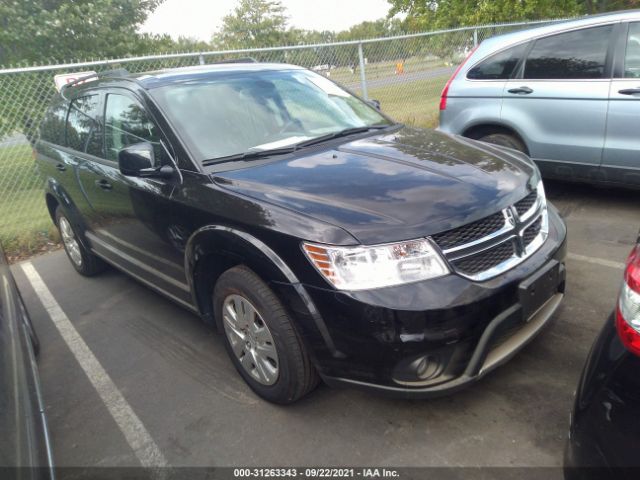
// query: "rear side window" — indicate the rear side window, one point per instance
point(573, 55)
point(127, 123)
point(83, 130)
point(499, 66)
point(53, 126)
point(632, 54)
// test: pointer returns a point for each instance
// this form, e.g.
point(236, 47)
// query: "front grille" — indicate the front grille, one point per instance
point(485, 260)
point(487, 247)
point(470, 232)
point(524, 205)
point(532, 232)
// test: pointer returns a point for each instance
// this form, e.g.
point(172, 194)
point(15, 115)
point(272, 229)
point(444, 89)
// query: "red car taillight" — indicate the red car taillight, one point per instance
point(628, 311)
point(445, 90)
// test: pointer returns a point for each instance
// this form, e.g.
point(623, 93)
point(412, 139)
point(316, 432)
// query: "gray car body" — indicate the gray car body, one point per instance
point(583, 130)
point(25, 445)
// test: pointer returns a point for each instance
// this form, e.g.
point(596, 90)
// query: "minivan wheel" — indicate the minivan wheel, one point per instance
point(261, 339)
point(85, 262)
point(504, 140)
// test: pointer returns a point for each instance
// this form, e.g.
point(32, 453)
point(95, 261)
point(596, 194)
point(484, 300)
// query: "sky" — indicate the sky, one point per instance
point(201, 18)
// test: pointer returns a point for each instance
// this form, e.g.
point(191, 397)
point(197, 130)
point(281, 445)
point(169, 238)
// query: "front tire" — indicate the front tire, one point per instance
point(261, 339)
point(85, 262)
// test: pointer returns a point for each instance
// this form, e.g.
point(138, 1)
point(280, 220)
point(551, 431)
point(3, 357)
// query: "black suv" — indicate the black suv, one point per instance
point(321, 238)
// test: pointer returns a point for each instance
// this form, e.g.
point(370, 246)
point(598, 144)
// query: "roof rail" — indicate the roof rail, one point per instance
point(238, 60)
point(116, 72)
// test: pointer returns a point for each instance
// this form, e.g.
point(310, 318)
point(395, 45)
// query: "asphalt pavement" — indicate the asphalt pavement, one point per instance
point(173, 373)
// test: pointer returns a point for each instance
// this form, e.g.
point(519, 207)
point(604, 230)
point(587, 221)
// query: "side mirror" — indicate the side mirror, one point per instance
point(138, 160)
point(375, 104)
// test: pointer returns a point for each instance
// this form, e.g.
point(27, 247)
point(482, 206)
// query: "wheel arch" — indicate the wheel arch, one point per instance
point(479, 130)
point(52, 205)
point(56, 197)
point(214, 249)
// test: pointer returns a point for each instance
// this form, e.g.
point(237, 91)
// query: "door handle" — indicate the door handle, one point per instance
point(61, 167)
point(629, 91)
point(103, 184)
point(521, 91)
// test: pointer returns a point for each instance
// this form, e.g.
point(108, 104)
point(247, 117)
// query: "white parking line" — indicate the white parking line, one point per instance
point(134, 431)
point(596, 261)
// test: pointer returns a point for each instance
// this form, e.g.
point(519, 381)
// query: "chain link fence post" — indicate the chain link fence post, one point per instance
point(475, 37)
point(363, 75)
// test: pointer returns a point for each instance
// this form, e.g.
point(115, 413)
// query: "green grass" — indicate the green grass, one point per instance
point(414, 103)
point(24, 221)
point(384, 69)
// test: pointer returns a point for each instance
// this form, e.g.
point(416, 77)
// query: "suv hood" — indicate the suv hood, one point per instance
point(396, 186)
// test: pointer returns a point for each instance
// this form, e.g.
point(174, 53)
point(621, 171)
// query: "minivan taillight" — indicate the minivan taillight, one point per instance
point(628, 311)
point(445, 90)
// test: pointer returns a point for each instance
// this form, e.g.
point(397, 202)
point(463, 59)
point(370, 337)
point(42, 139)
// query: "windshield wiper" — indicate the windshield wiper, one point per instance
point(341, 133)
point(252, 155)
point(256, 154)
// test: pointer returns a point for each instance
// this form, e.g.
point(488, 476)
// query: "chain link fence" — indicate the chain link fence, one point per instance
point(406, 74)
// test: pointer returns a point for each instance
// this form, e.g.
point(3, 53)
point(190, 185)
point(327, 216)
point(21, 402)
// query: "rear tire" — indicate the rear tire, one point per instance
point(261, 339)
point(505, 140)
point(85, 262)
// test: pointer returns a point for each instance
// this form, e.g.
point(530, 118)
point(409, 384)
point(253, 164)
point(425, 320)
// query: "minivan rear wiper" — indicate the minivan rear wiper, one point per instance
point(250, 155)
point(341, 133)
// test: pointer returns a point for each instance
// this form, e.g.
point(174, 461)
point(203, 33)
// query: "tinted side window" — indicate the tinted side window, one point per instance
point(127, 123)
point(632, 54)
point(53, 126)
point(572, 55)
point(82, 127)
point(499, 66)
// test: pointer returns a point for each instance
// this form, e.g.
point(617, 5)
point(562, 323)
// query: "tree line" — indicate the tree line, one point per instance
point(49, 31)
point(437, 14)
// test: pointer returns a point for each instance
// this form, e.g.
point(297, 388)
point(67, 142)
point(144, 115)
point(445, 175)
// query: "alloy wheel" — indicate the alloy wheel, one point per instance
point(250, 339)
point(70, 242)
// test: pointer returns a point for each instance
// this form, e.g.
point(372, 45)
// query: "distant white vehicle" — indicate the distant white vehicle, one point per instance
point(324, 69)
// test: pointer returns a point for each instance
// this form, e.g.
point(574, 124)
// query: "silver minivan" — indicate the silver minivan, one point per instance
point(567, 94)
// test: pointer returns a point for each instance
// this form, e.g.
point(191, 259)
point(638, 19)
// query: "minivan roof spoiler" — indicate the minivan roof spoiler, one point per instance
point(117, 73)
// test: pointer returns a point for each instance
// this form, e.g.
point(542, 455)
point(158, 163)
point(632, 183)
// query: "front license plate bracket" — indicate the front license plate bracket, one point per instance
point(540, 287)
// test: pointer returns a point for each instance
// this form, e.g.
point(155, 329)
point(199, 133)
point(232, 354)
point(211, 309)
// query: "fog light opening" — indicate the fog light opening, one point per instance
point(426, 367)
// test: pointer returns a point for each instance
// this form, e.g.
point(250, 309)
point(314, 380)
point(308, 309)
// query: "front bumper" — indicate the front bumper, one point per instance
point(434, 337)
point(483, 360)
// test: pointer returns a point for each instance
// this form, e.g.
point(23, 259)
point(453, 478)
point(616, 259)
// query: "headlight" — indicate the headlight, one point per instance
point(361, 268)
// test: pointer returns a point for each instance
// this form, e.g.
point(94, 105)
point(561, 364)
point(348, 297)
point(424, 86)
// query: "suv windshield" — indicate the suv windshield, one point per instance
point(239, 113)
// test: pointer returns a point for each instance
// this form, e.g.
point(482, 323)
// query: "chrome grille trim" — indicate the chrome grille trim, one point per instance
point(525, 201)
point(513, 232)
point(507, 228)
point(451, 239)
point(534, 209)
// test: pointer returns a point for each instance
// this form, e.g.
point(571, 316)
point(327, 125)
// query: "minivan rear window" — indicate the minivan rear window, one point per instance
point(82, 127)
point(580, 54)
point(499, 66)
point(53, 126)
